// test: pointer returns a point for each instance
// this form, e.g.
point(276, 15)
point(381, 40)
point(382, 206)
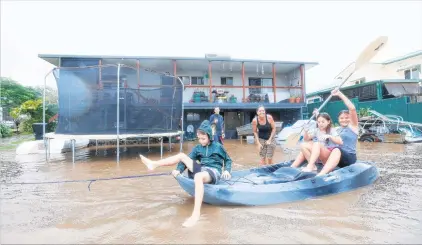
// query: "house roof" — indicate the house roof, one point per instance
point(326, 90)
point(54, 59)
point(403, 57)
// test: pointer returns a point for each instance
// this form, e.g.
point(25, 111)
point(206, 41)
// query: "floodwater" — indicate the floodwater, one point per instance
point(152, 209)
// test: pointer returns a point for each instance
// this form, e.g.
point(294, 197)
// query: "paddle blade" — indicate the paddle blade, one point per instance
point(292, 140)
point(370, 51)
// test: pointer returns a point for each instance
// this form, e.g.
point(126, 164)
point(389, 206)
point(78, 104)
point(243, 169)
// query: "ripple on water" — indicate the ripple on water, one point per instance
point(151, 209)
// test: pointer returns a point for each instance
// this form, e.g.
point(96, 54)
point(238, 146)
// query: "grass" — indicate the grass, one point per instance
point(14, 143)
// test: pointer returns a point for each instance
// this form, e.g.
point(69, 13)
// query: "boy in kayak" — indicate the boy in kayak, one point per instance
point(212, 157)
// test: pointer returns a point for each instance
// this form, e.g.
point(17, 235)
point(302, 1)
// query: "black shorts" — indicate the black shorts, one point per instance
point(197, 168)
point(346, 159)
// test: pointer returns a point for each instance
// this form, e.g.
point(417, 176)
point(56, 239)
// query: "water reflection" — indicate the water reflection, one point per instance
point(152, 209)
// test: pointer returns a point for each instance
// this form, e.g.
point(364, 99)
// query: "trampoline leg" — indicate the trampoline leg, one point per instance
point(48, 148)
point(161, 143)
point(118, 151)
point(148, 143)
point(96, 147)
point(170, 143)
point(73, 152)
point(45, 147)
point(181, 143)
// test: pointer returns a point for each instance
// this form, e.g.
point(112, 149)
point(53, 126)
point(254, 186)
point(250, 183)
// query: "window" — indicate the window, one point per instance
point(197, 81)
point(227, 81)
point(359, 81)
point(260, 82)
point(412, 73)
point(192, 117)
point(185, 80)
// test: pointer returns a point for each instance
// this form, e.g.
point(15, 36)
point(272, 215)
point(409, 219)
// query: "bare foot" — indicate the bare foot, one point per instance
point(147, 162)
point(191, 221)
point(307, 169)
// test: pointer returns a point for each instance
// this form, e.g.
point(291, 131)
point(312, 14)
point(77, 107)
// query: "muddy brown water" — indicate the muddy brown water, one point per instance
point(152, 209)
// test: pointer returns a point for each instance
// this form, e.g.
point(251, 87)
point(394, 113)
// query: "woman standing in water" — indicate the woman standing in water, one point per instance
point(264, 129)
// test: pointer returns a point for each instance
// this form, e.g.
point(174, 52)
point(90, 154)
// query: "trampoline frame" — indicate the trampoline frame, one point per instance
point(117, 136)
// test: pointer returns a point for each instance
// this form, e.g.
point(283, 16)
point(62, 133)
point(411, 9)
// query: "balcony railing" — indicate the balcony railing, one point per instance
point(239, 94)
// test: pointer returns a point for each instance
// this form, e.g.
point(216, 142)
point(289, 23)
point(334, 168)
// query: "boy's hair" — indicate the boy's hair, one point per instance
point(327, 117)
point(200, 132)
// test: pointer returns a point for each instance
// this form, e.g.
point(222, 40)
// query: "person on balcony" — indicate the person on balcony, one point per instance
point(217, 124)
point(264, 129)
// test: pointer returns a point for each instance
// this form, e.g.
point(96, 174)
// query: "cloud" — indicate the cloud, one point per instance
point(332, 33)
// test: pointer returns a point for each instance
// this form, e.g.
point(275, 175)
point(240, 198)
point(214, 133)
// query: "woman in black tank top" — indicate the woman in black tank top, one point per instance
point(264, 131)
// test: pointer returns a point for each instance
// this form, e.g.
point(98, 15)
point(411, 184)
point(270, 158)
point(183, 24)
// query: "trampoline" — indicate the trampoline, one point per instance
point(114, 102)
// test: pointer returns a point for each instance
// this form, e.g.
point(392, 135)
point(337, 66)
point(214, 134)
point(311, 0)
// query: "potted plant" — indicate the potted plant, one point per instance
point(292, 99)
point(297, 99)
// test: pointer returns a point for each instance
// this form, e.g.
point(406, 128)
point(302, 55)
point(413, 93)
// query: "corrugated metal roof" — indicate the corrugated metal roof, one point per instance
point(400, 58)
point(48, 57)
point(363, 84)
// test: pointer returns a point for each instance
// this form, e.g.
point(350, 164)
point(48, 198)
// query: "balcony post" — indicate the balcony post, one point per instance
point(274, 83)
point(174, 72)
point(138, 74)
point(243, 82)
point(302, 83)
point(210, 79)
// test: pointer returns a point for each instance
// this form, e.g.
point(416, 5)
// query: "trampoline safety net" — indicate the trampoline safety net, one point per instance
point(100, 99)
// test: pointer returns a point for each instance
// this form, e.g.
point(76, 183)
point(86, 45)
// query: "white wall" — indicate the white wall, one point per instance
point(289, 79)
point(372, 72)
point(282, 79)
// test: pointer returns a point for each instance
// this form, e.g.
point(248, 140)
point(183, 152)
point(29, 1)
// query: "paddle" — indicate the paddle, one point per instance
point(366, 55)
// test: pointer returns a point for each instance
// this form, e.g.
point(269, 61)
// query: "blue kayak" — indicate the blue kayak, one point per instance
point(279, 183)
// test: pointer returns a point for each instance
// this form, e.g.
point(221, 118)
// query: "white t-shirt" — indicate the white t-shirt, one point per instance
point(318, 137)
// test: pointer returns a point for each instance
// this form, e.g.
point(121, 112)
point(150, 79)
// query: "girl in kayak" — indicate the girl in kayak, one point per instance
point(319, 144)
point(344, 154)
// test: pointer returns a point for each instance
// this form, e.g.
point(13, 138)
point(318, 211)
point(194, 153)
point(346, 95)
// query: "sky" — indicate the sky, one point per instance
point(332, 33)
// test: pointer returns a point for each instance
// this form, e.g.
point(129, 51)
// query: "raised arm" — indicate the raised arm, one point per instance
point(354, 120)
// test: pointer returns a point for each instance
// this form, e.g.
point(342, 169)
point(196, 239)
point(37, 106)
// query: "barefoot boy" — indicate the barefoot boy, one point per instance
point(212, 157)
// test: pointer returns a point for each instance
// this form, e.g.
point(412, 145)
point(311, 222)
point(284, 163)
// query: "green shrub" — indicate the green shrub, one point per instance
point(5, 131)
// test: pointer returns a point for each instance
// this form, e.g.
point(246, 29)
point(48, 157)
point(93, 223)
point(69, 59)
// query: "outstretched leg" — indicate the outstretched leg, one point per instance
point(332, 162)
point(324, 154)
point(303, 155)
point(169, 161)
point(200, 178)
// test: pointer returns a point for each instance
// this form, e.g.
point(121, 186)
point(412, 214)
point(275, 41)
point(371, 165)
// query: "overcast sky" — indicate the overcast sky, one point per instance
point(330, 32)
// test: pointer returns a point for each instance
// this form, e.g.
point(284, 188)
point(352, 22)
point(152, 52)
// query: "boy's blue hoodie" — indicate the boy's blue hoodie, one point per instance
point(213, 155)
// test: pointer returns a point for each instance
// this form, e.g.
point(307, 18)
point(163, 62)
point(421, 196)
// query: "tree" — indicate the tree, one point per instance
point(33, 111)
point(51, 95)
point(14, 94)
